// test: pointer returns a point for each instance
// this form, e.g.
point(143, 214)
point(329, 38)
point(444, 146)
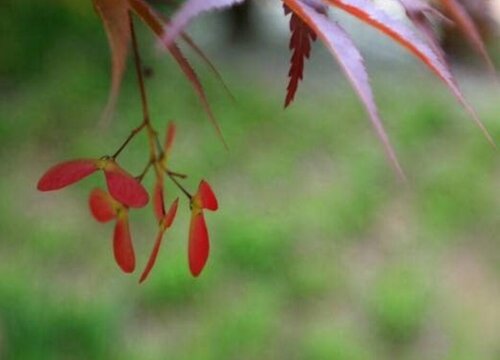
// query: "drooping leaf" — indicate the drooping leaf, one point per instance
point(155, 23)
point(101, 206)
point(207, 196)
point(208, 62)
point(195, 81)
point(188, 11)
point(114, 15)
point(341, 46)
point(122, 244)
point(199, 246)
point(366, 11)
point(166, 223)
point(201, 54)
point(124, 187)
point(459, 15)
point(300, 44)
point(66, 173)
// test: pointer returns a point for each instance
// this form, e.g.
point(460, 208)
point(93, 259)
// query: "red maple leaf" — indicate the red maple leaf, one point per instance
point(300, 44)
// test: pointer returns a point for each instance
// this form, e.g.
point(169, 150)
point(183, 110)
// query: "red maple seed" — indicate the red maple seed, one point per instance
point(67, 173)
point(122, 244)
point(165, 223)
point(165, 219)
point(104, 209)
point(199, 245)
point(122, 186)
point(101, 206)
point(207, 196)
point(158, 204)
point(158, 190)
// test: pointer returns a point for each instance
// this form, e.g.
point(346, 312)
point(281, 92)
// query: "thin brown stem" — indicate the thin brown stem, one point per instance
point(151, 132)
point(146, 169)
point(127, 140)
point(176, 174)
point(155, 148)
point(179, 185)
point(138, 69)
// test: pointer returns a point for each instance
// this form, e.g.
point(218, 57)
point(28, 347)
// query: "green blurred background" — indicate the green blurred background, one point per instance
point(317, 251)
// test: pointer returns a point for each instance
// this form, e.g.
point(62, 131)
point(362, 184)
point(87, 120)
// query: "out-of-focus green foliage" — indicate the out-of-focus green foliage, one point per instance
point(33, 30)
point(317, 251)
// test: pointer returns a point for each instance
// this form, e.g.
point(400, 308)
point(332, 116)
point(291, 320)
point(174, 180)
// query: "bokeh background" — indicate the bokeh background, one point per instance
point(317, 251)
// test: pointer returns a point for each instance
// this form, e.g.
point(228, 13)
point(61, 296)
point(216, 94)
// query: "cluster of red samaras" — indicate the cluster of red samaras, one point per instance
point(126, 192)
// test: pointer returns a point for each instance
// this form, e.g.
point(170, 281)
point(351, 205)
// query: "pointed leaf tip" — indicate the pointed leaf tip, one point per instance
point(207, 196)
point(124, 187)
point(101, 206)
point(122, 245)
point(66, 173)
point(199, 246)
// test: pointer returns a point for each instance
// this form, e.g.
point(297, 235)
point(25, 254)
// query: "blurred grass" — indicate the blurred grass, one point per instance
point(317, 251)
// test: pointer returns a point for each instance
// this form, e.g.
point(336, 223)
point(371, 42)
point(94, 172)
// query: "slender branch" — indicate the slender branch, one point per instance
point(159, 146)
point(151, 132)
point(154, 142)
point(128, 139)
point(176, 174)
point(179, 185)
point(155, 148)
point(138, 69)
point(146, 169)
